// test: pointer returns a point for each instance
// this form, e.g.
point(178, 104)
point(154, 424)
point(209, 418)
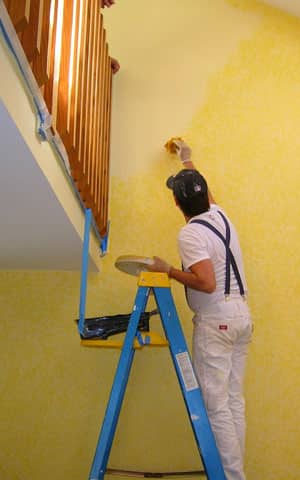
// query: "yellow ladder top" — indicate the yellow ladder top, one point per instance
point(154, 279)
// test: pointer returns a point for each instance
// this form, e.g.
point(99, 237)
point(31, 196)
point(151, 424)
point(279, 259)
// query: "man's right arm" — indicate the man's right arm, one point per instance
point(184, 153)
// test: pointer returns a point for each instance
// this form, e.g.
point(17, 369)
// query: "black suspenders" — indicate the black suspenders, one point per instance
point(230, 260)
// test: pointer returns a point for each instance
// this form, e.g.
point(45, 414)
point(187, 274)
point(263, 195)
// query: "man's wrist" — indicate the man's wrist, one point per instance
point(170, 271)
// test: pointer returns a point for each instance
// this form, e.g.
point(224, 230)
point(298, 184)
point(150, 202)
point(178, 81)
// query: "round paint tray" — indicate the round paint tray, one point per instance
point(133, 264)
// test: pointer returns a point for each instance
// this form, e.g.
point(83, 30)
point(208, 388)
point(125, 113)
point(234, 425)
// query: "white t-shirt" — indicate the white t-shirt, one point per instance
point(196, 242)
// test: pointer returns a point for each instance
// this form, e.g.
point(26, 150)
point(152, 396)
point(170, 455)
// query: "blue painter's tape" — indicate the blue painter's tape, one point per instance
point(104, 241)
point(44, 117)
point(84, 269)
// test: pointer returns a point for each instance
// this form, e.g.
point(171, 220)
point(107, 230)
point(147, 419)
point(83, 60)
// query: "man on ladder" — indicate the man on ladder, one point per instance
point(214, 280)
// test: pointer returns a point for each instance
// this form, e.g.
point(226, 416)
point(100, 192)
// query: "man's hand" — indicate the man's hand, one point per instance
point(115, 66)
point(107, 3)
point(159, 265)
point(177, 145)
point(183, 151)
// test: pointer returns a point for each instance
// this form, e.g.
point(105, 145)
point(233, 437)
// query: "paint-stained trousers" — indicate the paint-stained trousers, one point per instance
point(221, 337)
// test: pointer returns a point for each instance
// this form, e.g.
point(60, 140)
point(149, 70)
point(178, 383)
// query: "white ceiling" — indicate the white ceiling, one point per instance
point(35, 231)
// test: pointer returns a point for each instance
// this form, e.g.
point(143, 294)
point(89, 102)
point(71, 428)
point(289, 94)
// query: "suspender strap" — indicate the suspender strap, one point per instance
point(185, 287)
point(227, 243)
point(230, 260)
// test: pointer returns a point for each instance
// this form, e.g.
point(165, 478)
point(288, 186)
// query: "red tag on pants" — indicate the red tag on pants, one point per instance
point(223, 327)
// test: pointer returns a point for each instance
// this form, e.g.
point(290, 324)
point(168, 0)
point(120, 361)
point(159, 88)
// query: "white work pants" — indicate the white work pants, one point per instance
point(220, 341)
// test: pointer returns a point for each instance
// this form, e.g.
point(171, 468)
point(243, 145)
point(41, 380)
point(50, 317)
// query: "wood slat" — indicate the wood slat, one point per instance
point(40, 65)
point(107, 146)
point(95, 103)
point(19, 13)
point(69, 139)
point(96, 108)
point(63, 82)
point(76, 155)
point(109, 106)
point(84, 116)
point(100, 133)
point(88, 126)
point(100, 97)
point(101, 143)
point(29, 35)
point(77, 92)
point(103, 127)
point(48, 88)
point(88, 113)
point(104, 167)
point(91, 97)
point(83, 91)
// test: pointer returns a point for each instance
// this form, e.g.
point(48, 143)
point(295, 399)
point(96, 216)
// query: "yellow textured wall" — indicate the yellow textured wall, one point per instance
point(225, 74)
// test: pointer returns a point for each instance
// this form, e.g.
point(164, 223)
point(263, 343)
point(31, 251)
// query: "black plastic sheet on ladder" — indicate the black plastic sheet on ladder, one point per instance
point(104, 327)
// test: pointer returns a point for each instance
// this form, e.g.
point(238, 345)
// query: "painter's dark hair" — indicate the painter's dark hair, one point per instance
point(193, 206)
point(190, 190)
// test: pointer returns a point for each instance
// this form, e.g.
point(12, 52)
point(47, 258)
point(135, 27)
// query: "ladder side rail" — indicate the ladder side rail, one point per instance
point(118, 389)
point(189, 386)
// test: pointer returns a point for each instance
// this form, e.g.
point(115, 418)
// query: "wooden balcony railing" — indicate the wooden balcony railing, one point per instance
point(64, 42)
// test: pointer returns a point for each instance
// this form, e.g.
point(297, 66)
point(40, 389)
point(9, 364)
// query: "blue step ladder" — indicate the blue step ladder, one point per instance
point(159, 284)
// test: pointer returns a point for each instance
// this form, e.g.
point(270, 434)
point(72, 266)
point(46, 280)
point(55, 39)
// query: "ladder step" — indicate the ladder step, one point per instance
point(150, 339)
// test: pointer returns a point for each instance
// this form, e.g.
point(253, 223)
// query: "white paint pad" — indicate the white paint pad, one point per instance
point(133, 264)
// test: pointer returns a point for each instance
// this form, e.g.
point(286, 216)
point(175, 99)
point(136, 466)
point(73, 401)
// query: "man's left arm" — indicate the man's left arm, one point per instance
point(201, 276)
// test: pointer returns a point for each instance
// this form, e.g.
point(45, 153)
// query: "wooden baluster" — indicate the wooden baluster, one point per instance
point(94, 93)
point(94, 83)
point(69, 139)
point(104, 166)
point(91, 94)
point(75, 154)
point(102, 132)
point(83, 97)
point(88, 93)
point(48, 88)
point(19, 13)
point(96, 111)
point(105, 194)
point(63, 79)
point(109, 109)
point(87, 124)
point(40, 65)
point(99, 133)
point(29, 35)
